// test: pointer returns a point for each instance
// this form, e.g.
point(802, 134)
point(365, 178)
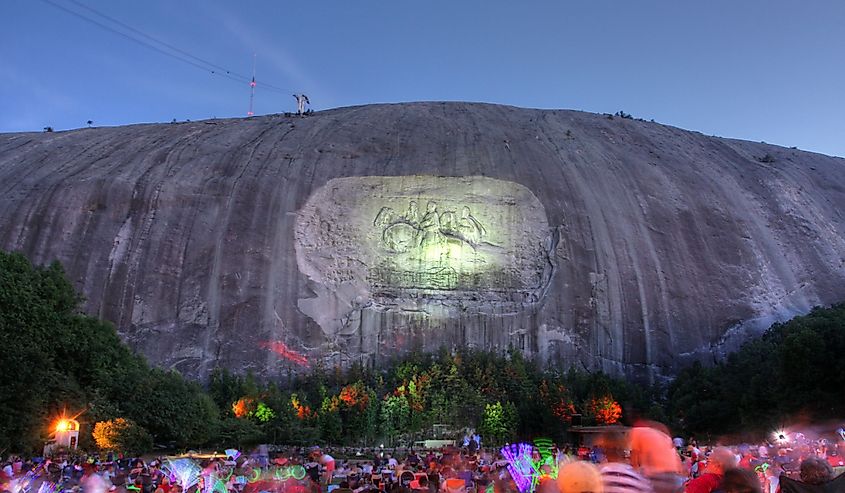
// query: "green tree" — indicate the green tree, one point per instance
point(792, 369)
point(241, 433)
point(35, 302)
point(498, 423)
point(264, 413)
point(394, 416)
point(173, 410)
point(225, 388)
point(78, 362)
point(330, 422)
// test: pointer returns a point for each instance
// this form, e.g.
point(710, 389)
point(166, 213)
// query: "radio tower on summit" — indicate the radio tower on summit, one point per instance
point(251, 88)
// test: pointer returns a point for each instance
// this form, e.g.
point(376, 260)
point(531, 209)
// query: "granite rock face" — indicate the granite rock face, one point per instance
point(360, 233)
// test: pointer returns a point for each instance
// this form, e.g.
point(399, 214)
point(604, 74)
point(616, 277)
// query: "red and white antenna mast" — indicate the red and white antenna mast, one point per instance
point(251, 88)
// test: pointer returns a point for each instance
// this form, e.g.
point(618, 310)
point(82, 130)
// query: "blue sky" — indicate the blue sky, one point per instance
point(770, 70)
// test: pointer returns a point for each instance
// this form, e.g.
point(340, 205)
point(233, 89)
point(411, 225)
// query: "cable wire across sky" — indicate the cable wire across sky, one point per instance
point(160, 47)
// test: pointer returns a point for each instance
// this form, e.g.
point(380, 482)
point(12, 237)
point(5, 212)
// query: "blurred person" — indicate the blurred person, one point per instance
point(109, 472)
point(617, 475)
point(737, 480)
point(94, 483)
point(454, 485)
point(579, 477)
point(834, 457)
point(720, 460)
point(546, 484)
point(312, 469)
point(430, 458)
point(163, 485)
point(772, 474)
point(816, 476)
point(156, 473)
point(815, 471)
point(654, 455)
point(746, 457)
point(326, 461)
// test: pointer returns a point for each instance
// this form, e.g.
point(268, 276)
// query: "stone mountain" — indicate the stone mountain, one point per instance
point(357, 234)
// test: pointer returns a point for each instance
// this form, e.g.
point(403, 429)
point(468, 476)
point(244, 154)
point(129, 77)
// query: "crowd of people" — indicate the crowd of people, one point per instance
point(641, 460)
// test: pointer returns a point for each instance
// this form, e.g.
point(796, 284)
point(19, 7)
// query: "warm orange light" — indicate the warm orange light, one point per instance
point(62, 425)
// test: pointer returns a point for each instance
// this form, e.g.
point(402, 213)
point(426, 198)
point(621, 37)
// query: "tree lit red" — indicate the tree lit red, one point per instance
point(242, 407)
point(354, 395)
point(303, 411)
point(605, 410)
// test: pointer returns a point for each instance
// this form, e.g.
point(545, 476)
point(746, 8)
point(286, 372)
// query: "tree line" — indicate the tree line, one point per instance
point(57, 360)
point(794, 372)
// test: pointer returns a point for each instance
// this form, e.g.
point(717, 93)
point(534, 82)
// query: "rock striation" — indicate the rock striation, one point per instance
point(357, 234)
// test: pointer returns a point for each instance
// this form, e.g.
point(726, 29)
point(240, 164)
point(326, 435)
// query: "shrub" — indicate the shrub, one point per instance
point(122, 435)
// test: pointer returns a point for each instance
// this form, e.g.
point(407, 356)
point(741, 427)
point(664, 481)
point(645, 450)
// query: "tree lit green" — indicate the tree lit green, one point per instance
point(264, 413)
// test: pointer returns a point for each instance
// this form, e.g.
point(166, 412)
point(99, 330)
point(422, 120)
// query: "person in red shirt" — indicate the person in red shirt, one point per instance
point(164, 485)
point(720, 460)
point(835, 458)
point(747, 457)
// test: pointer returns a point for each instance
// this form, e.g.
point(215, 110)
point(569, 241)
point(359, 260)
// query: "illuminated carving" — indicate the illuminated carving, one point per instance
point(432, 253)
point(382, 240)
point(402, 233)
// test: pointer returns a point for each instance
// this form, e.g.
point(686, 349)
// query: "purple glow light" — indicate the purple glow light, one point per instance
point(520, 465)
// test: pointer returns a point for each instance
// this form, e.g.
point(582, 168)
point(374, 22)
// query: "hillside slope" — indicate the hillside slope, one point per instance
point(273, 242)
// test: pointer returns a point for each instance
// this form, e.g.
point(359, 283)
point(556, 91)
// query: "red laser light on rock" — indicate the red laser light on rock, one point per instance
point(284, 351)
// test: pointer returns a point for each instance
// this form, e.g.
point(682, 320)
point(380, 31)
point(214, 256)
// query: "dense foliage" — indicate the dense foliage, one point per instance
point(794, 372)
point(122, 435)
point(501, 396)
point(55, 360)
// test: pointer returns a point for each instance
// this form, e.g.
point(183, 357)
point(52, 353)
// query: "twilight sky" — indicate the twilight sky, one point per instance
point(770, 70)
